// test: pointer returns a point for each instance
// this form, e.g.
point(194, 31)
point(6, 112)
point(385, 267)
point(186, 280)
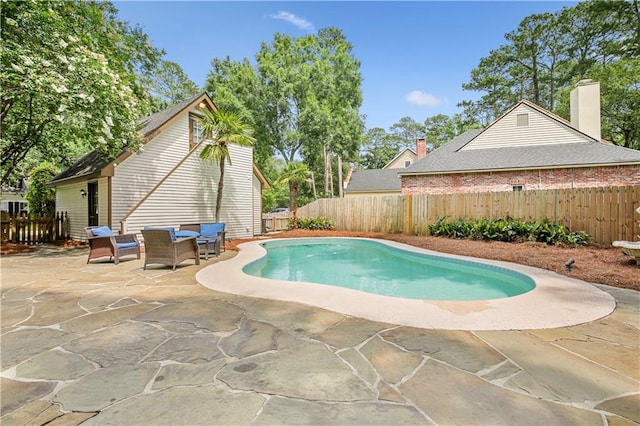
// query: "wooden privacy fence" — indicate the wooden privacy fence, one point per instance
point(608, 214)
point(22, 229)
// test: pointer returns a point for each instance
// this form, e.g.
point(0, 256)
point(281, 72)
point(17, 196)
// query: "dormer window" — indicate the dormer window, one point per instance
point(522, 120)
point(195, 131)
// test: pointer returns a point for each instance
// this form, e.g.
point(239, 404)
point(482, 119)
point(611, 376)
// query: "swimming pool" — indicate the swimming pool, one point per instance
point(556, 300)
point(377, 268)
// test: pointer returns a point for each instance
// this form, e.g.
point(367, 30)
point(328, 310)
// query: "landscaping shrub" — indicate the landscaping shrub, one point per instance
point(313, 223)
point(508, 230)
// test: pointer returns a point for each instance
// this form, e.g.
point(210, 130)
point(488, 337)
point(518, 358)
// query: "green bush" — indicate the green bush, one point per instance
point(313, 223)
point(508, 230)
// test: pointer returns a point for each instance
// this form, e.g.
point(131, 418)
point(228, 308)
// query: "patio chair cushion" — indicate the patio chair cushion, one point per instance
point(211, 230)
point(102, 231)
point(171, 230)
point(126, 245)
point(186, 234)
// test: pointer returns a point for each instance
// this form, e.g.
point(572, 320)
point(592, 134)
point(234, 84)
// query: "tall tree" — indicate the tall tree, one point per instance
point(303, 94)
point(293, 174)
point(378, 149)
point(441, 128)
point(405, 132)
point(41, 197)
point(69, 79)
point(168, 84)
point(548, 53)
point(220, 129)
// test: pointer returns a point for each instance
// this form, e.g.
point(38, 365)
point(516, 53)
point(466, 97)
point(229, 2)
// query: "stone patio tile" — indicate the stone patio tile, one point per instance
point(15, 393)
point(626, 406)
point(105, 387)
point(68, 419)
point(55, 365)
point(173, 294)
point(308, 371)
point(503, 371)
point(254, 337)
point(193, 348)
point(568, 377)
point(29, 290)
point(387, 393)
point(95, 321)
point(295, 318)
point(18, 346)
point(122, 344)
point(458, 348)
point(360, 365)
point(351, 332)
point(290, 411)
point(453, 397)
point(391, 362)
point(204, 405)
point(34, 413)
point(13, 312)
point(100, 299)
point(213, 315)
point(52, 309)
point(186, 374)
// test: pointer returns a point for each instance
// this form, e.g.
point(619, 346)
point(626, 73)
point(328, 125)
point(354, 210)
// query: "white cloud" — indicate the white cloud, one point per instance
point(301, 23)
point(418, 97)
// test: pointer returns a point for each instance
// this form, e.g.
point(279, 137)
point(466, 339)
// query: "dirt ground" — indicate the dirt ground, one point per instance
point(602, 264)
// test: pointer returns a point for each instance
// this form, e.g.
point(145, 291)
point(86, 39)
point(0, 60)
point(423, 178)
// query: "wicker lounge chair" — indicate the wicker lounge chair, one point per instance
point(210, 236)
point(103, 242)
point(159, 247)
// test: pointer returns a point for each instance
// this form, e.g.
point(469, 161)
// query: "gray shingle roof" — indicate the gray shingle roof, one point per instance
point(374, 180)
point(450, 159)
point(95, 161)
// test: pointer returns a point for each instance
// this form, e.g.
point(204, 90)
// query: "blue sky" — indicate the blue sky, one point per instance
point(414, 55)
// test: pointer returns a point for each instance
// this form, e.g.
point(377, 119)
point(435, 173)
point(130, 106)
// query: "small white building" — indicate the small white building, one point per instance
point(165, 183)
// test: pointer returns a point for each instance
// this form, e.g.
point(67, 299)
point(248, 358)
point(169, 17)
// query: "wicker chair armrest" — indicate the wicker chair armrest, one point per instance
point(185, 245)
point(104, 241)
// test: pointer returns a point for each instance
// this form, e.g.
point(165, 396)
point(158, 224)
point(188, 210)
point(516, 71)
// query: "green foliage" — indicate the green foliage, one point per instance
point(41, 198)
point(507, 230)
point(317, 223)
point(547, 53)
point(69, 81)
point(167, 84)
point(221, 128)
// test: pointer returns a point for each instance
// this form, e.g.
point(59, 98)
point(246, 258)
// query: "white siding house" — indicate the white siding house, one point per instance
point(165, 183)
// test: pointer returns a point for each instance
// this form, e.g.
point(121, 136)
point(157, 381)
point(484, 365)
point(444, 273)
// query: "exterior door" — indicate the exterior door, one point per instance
point(92, 196)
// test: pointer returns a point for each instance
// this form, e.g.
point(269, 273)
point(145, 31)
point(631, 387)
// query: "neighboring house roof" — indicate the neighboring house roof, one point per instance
point(411, 152)
point(461, 156)
point(376, 180)
point(94, 162)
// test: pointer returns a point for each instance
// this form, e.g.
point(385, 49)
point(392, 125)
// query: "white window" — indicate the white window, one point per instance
point(407, 163)
point(195, 131)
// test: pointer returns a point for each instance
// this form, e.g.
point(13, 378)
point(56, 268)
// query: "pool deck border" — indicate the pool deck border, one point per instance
point(556, 301)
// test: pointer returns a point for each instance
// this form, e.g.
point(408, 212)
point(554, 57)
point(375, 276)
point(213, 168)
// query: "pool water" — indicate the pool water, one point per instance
point(377, 268)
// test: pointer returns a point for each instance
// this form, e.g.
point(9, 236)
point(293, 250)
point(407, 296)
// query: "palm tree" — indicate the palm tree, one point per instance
point(294, 173)
point(222, 128)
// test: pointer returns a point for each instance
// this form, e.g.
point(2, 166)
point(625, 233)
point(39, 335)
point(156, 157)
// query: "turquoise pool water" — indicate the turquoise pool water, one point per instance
point(377, 268)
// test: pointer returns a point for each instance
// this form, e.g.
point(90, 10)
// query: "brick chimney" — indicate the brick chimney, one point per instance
point(421, 147)
point(585, 108)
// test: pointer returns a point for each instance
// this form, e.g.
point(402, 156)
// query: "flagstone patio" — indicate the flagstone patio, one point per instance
point(107, 344)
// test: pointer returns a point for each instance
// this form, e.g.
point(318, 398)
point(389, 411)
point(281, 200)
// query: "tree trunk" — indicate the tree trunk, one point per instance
point(326, 170)
point(294, 194)
point(313, 186)
point(220, 186)
point(340, 183)
point(330, 175)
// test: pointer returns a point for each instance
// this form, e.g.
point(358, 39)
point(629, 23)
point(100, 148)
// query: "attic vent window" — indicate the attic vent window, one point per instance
point(522, 120)
point(195, 131)
point(407, 163)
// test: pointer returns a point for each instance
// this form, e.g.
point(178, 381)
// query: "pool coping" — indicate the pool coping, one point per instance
point(556, 301)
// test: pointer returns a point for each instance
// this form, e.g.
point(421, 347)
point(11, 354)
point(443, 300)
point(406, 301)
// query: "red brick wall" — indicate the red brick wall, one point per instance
point(529, 179)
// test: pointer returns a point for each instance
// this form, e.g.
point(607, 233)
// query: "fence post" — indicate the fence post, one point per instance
point(408, 215)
